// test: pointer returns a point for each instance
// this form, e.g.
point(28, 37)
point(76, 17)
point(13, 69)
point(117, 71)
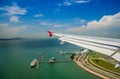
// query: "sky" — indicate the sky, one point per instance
point(33, 18)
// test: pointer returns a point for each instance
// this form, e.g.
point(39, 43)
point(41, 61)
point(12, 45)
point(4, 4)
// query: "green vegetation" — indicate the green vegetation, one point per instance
point(94, 54)
point(106, 65)
point(95, 57)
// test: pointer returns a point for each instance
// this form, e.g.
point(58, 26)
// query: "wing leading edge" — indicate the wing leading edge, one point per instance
point(107, 46)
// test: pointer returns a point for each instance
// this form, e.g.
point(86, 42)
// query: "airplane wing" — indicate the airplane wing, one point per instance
point(107, 46)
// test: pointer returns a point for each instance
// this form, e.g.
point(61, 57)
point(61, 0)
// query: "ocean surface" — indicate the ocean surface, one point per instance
point(16, 55)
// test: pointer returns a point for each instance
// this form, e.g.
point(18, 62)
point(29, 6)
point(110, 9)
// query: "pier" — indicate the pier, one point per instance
point(59, 61)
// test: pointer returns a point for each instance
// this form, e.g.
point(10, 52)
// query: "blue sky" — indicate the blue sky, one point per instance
point(32, 18)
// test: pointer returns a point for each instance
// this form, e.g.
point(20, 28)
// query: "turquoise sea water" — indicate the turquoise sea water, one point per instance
point(15, 58)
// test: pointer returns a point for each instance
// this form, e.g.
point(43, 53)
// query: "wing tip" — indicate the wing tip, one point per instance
point(50, 33)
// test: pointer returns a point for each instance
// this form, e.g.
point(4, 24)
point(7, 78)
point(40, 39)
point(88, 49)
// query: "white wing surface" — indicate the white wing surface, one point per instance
point(107, 46)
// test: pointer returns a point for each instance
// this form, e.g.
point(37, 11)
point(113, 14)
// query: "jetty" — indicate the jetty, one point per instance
point(39, 60)
point(58, 61)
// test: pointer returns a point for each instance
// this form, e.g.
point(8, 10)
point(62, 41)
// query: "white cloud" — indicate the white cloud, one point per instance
point(58, 25)
point(81, 1)
point(52, 24)
point(106, 22)
point(46, 23)
point(79, 21)
point(82, 21)
point(7, 30)
point(14, 29)
point(13, 10)
point(71, 2)
point(39, 15)
point(14, 19)
point(67, 3)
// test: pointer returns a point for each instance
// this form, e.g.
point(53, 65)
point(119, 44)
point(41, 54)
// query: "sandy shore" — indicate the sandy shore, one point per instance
point(80, 60)
point(99, 75)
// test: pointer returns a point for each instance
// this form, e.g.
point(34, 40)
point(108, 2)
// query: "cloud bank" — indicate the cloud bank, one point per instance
point(7, 30)
point(107, 24)
point(13, 10)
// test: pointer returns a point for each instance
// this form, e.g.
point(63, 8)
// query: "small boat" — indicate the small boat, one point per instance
point(52, 60)
point(62, 53)
point(34, 63)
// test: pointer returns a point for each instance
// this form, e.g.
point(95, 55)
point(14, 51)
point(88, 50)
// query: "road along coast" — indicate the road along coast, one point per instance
point(82, 60)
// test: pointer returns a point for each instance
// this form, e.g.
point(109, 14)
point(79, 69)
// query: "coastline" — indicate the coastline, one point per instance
point(90, 71)
point(81, 62)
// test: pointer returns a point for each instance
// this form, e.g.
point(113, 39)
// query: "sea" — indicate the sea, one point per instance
point(16, 56)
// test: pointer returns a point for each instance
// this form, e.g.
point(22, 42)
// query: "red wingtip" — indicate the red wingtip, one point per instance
point(50, 33)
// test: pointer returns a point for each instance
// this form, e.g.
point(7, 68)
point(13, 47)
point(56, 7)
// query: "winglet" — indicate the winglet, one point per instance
point(50, 33)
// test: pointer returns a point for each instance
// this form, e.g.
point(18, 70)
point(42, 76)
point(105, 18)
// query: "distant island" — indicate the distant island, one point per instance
point(9, 39)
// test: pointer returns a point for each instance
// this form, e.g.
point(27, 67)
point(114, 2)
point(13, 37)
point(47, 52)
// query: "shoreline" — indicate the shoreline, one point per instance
point(81, 63)
point(90, 71)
